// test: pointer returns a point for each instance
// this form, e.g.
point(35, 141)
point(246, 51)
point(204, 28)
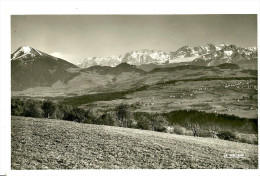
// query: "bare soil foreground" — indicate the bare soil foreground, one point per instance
point(57, 144)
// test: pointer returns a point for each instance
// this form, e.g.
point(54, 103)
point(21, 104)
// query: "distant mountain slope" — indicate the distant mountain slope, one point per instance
point(209, 55)
point(148, 67)
point(121, 68)
point(31, 67)
point(194, 67)
point(228, 66)
point(182, 67)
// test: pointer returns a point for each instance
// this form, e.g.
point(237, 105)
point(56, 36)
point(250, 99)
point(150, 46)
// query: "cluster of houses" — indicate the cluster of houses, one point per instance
point(240, 85)
point(182, 95)
point(191, 93)
point(140, 103)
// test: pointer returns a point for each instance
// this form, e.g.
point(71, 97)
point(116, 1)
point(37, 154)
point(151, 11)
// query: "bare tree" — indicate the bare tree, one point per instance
point(194, 128)
point(213, 131)
point(152, 121)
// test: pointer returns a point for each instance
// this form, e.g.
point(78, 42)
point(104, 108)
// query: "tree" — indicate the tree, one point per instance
point(17, 107)
point(143, 122)
point(158, 123)
point(74, 114)
point(193, 123)
point(123, 114)
point(48, 108)
point(107, 119)
point(31, 109)
point(154, 122)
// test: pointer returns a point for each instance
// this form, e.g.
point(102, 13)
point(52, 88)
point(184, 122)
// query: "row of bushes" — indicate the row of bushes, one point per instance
point(119, 116)
point(183, 122)
point(202, 124)
point(50, 109)
point(225, 134)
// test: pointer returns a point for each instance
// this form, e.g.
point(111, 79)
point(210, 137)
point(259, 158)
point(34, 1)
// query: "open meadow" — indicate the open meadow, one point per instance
point(57, 144)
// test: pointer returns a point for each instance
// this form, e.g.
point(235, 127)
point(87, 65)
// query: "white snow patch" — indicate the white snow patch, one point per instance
point(228, 53)
point(154, 55)
point(24, 50)
point(207, 48)
point(134, 54)
point(218, 48)
point(183, 59)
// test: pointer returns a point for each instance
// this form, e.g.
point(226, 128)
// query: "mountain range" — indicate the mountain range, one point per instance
point(209, 55)
point(33, 68)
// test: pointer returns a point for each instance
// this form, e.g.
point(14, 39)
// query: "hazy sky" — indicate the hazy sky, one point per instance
point(75, 37)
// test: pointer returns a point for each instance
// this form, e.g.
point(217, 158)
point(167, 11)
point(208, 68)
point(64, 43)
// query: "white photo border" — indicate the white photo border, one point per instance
point(8, 8)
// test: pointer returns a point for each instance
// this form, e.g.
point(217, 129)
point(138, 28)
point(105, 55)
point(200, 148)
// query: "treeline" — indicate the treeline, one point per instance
point(78, 100)
point(199, 121)
point(151, 121)
point(207, 79)
point(119, 116)
point(184, 122)
point(202, 124)
point(211, 120)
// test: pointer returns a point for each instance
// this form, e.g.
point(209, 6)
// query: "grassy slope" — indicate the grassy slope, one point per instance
point(56, 144)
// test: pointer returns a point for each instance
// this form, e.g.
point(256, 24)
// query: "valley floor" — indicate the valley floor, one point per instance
point(56, 144)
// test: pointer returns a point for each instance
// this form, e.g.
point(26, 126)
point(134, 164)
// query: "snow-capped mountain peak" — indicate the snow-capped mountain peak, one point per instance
point(25, 51)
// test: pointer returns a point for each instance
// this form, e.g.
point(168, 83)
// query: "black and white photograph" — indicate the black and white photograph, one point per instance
point(133, 91)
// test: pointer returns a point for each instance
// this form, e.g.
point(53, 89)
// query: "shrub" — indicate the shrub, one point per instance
point(247, 138)
point(205, 133)
point(74, 114)
point(90, 117)
point(143, 123)
point(160, 124)
point(170, 129)
point(226, 135)
point(179, 129)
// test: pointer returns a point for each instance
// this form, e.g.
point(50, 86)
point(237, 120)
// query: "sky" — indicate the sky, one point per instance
point(76, 37)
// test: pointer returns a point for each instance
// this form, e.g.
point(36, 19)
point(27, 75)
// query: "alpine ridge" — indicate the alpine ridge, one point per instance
point(209, 55)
